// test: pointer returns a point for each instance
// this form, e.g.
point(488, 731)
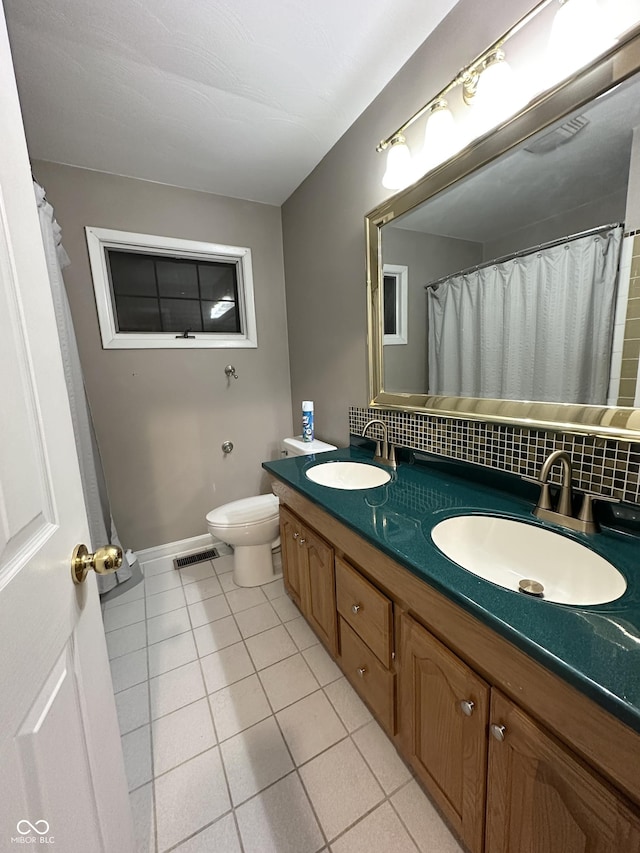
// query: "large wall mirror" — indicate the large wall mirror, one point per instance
point(516, 259)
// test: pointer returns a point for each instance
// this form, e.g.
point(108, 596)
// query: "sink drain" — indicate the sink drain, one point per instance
point(530, 587)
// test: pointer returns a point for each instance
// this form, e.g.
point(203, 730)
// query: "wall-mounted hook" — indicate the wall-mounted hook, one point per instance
point(230, 371)
point(227, 446)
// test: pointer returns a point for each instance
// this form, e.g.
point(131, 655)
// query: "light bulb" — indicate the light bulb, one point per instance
point(441, 137)
point(496, 97)
point(579, 33)
point(399, 172)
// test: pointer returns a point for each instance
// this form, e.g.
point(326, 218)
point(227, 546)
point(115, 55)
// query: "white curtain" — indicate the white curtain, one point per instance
point(535, 327)
point(101, 527)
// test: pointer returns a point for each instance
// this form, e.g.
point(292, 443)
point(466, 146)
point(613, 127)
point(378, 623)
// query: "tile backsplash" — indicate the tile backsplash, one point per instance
point(600, 465)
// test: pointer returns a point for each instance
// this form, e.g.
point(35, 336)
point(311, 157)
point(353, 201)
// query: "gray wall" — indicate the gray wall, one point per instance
point(323, 221)
point(428, 257)
point(162, 415)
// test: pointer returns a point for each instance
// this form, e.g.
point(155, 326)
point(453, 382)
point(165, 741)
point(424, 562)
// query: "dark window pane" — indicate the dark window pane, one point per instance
point(218, 281)
point(390, 285)
point(137, 314)
point(221, 316)
point(178, 315)
point(132, 274)
point(177, 278)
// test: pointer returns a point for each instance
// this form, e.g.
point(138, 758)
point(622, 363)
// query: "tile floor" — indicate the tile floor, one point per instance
point(239, 733)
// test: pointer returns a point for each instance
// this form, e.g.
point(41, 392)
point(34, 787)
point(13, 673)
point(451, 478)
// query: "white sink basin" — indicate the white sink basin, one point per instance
point(348, 475)
point(507, 552)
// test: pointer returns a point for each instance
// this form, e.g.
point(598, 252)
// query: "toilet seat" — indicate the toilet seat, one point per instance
point(245, 511)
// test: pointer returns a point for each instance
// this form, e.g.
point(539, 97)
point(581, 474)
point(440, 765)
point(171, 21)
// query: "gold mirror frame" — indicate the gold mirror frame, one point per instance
point(607, 421)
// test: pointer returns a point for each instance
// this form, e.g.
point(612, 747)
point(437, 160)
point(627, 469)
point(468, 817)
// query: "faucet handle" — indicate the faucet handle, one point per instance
point(544, 501)
point(586, 510)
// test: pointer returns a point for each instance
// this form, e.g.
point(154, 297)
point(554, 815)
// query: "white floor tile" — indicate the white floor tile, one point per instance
point(285, 608)
point(200, 590)
point(216, 635)
point(245, 597)
point(381, 756)
point(280, 820)
point(124, 640)
point(274, 589)
point(132, 706)
point(181, 735)
point(157, 566)
point(239, 706)
point(310, 726)
point(380, 830)
point(171, 653)
point(351, 709)
point(161, 583)
point(134, 594)
point(220, 837)
point(136, 749)
point(225, 667)
point(164, 602)
point(254, 759)
point(324, 669)
point(196, 572)
point(301, 633)
point(189, 797)
point(422, 820)
point(270, 647)
point(341, 787)
point(227, 583)
point(129, 670)
point(124, 614)
point(256, 619)
point(223, 564)
point(209, 610)
point(144, 829)
point(168, 625)
point(176, 689)
point(287, 681)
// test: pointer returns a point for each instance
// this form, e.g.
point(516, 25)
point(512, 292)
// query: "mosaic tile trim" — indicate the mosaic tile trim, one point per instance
point(631, 345)
point(600, 465)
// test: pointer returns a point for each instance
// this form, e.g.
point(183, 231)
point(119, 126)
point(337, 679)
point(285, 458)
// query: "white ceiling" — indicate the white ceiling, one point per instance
point(237, 97)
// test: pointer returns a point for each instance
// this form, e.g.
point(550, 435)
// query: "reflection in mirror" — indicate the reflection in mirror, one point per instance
point(516, 288)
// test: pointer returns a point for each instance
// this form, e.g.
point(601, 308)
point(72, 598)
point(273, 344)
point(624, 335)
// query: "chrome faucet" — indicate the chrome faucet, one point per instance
point(385, 453)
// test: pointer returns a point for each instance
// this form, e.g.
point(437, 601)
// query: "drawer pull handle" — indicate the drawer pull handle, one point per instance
point(296, 535)
point(467, 707)
point(355, 608)
point(498, 732)
point(361, 671)
point(301, 541)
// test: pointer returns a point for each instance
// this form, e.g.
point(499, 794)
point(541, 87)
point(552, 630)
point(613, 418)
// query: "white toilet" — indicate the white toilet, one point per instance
point(251, 525)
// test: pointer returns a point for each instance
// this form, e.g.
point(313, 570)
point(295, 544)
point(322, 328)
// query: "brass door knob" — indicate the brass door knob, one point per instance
point(103, 562)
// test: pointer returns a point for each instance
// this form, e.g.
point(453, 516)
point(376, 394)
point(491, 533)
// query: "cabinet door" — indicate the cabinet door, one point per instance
point(543, 799)
point(291, 555)
point(446, 746)
point(319, 589)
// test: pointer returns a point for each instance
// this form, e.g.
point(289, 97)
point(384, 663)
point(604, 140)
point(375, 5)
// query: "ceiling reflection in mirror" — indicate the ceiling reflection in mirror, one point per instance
point(517, 275)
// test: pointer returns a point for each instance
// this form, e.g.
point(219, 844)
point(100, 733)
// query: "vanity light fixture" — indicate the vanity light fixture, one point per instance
point(399, 172)
point(578, 35)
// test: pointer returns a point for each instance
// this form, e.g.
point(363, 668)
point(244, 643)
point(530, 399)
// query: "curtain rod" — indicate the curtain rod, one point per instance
point(528, 251)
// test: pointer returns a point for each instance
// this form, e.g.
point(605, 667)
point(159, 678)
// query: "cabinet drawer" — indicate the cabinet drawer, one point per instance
point(371, 680)
point(366, 610)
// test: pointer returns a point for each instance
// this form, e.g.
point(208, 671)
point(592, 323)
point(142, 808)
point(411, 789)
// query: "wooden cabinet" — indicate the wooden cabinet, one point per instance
point(443, 724)
point(309, 576)
point(542, 799)
point(565, 778)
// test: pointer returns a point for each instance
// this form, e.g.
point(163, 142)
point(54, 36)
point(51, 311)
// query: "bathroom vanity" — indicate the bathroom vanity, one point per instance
point(520, 717)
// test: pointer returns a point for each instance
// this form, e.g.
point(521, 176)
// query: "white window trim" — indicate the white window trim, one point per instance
point(401, 274)
point(98, 239)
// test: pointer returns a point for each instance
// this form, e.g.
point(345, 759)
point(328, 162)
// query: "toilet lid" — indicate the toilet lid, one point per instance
point(245, 511)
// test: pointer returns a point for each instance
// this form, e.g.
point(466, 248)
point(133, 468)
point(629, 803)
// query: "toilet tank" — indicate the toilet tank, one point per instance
point(297, 447)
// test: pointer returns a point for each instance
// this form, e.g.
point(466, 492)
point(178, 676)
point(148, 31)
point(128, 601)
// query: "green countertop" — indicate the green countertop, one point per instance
point(596, 649)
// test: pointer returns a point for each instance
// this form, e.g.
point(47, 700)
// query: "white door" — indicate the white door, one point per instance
point(62, 778)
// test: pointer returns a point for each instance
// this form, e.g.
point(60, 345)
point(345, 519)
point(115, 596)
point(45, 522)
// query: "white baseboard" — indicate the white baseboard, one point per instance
point(182, 546)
